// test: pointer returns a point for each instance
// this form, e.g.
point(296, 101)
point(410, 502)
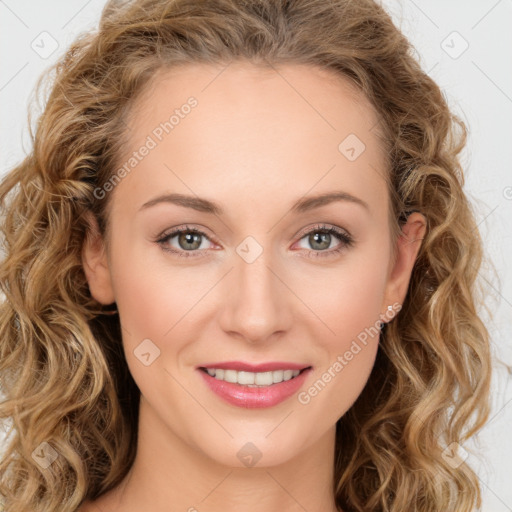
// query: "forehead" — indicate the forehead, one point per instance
point(310, 91)
point(290, 127)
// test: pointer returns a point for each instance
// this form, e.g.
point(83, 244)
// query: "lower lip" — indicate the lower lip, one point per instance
point(255, 397)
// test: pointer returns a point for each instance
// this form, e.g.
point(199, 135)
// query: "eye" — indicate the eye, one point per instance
point(321, 237)
point(188, 240)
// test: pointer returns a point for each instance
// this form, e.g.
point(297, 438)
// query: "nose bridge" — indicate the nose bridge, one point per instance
point(257, 303)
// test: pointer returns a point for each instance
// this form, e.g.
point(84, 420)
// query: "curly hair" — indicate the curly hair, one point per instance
point(63, 373)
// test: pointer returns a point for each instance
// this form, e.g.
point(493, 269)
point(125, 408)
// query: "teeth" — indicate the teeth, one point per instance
point(245, 378)
point(230, 376)
point(253, 379)
point(278, 376)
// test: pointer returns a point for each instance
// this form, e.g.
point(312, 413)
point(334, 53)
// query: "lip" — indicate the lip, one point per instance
point(261, 367)
point(255, 397)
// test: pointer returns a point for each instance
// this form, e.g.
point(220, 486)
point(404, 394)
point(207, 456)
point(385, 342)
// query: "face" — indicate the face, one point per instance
point(261, 273)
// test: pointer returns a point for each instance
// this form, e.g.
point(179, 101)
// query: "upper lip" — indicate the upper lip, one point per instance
point(261, 367)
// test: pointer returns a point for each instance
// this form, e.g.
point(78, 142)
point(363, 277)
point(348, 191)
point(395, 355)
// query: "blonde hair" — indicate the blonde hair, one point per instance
point(62, 366)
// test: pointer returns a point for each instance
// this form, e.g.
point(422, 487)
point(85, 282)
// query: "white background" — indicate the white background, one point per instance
point(477, 82)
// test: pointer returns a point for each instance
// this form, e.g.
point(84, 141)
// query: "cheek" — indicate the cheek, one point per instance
point(359, 301)
point(151, 303)
point(348, 302)
point(145, 305)
point(151, 294)
point(347, 299)
point(160, 301)
point(349, 309)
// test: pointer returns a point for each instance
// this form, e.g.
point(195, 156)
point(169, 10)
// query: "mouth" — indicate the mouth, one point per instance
point(254, 386)
point(251, 378)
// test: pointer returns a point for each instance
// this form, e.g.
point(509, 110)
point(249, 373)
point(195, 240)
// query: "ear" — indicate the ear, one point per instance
point(95, 263)
point(408, 245)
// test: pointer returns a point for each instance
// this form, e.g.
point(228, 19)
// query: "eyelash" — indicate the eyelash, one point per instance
point(345, 239)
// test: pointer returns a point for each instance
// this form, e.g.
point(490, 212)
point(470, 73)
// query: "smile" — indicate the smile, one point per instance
point(252, 379)
point(254, 389)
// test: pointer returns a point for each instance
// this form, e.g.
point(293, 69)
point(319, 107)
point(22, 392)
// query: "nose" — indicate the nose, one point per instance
point(258, 305)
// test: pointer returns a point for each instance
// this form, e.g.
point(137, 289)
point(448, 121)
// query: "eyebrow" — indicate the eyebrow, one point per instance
point(302, 205)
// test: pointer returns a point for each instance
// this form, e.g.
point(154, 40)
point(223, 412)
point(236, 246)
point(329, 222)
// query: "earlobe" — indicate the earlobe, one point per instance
point(95, 263)
point(408, 245)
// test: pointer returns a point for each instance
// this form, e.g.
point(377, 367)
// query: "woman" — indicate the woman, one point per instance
point(239, 271)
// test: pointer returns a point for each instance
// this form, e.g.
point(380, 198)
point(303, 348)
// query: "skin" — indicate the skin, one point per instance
point(258, 140)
